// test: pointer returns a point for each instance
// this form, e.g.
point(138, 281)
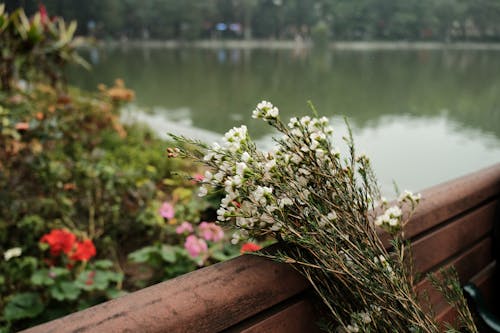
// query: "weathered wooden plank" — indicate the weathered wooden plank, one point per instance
point(467, 265)
point(446, 200)
point(457, 235)
point(484, 280)
point(208, 300)
point(297, 317)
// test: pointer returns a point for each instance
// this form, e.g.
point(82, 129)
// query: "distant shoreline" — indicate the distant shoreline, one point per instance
point(288, 44)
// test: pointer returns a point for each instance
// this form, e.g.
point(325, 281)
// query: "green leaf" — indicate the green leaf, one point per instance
point(103, 264)
point(65, 291)
point(167, 253)
point(42, 278)
point(101, 280)
point(23, 305)
point(58, 271)
point(113, 293)
point(142, 255)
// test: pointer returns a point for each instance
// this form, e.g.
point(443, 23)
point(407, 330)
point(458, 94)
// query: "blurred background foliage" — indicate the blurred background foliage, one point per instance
point(440, 20)
point(77, 181)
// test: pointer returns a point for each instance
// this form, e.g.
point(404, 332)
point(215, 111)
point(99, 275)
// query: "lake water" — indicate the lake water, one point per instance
point(423, 116)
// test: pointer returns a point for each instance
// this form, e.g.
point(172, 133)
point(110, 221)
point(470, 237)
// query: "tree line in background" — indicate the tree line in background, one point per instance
point(440, 20)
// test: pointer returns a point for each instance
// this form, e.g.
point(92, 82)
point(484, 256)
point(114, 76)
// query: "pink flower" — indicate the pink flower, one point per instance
point(167, 210)
point(184, 227)
point(22, 126)
point(198, 177)
point(195, 246)
point(211, 231)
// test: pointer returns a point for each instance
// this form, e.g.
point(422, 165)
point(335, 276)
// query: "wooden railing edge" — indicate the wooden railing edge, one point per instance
point(217, 297)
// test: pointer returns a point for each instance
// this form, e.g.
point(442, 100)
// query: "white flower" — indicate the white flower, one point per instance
point(365, 317)
point(245, 157)
point(293, 122)
point(304, 121)
point(209, 157)
point(276, 226)
point(407, 195)
point(241, 167)
point(208, 176)
point(393, 222)
point(297, 132)
point(202, 191)
point(296, 159)
point(269, 165)
point(221, 214)
point(12, 253)
point(305, 172)
point(219, 176)
point(260, 193)
point(285, 202)
point(332, 215)
point(317, 136)
point(393, 212)
point(266, 218)
point(320, 153)
point(236, 238)
point(314, 144)
point(265, 110)
point(352, 328)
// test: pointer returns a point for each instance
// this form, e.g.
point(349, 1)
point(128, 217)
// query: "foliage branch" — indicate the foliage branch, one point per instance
point(325, 208)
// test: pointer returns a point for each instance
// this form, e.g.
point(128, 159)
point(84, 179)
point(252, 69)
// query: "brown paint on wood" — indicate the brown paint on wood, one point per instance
point(444, 201)
point(467, 265)
point(484, 280)
point(443, 243)
point(298, 317)
point(207, 300)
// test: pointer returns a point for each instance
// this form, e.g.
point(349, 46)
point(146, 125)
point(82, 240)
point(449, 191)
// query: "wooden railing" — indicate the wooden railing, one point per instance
point(454, 224)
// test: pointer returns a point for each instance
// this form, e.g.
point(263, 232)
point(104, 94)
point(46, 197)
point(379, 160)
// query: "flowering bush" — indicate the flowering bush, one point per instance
point(35, 47)
point(89, 208)
point(324, 208)
point(89, 191)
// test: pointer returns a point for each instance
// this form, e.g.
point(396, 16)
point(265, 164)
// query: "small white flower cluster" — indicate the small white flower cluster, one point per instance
point(247, 176)
point(409, 197)
point(234, 138)
point(265, 110)
point(391, 219)
point(312, 132)
point(12, 253)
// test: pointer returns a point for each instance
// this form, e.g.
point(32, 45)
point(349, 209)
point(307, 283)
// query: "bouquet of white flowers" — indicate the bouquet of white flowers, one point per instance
point(325, 208)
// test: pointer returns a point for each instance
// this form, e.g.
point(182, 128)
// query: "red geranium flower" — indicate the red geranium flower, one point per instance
point(84, 251)
point(250, 247)
point(59, 240)
point(43, 14)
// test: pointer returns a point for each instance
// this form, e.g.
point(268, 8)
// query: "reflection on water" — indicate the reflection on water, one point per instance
point(423, 116)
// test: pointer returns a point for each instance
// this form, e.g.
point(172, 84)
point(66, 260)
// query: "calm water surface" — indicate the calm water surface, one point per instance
point(423, 116)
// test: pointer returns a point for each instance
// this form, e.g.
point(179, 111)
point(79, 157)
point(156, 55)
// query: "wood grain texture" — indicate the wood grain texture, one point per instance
point(485, 281)
point(208, 300)
point(444, 201)
point(475, 259)
point(454, 237)
point(298, 317)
